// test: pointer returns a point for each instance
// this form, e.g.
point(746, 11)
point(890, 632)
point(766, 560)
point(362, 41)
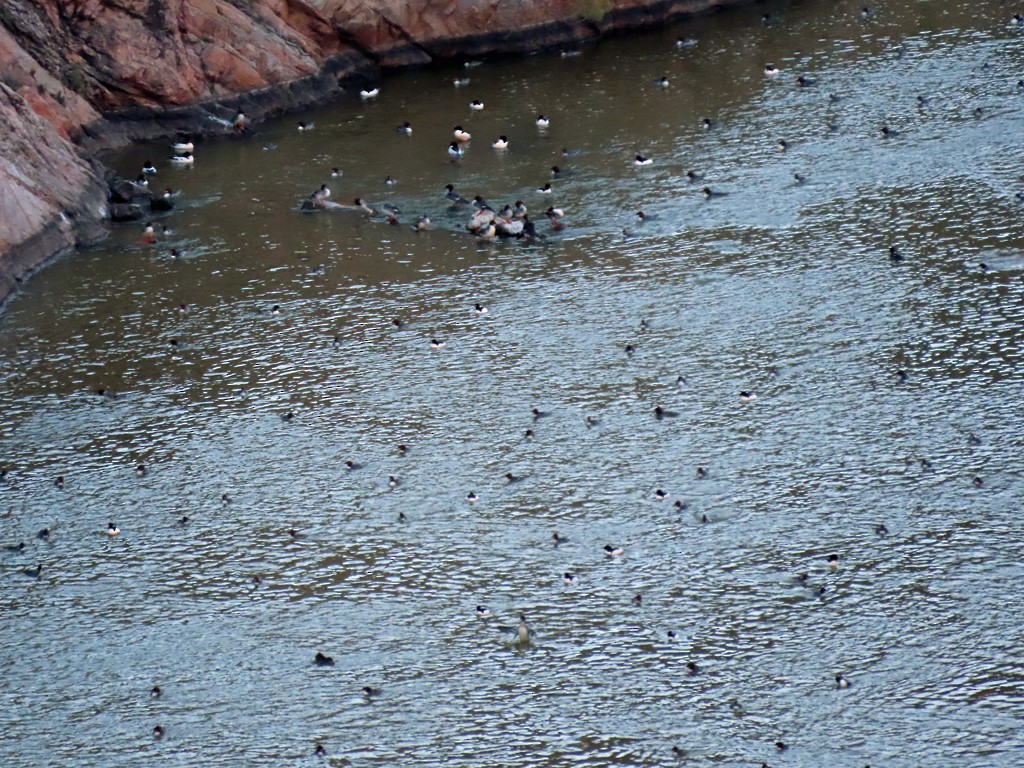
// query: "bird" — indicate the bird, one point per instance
point(708, 193)
point(148, 167)
point(390, 181)
point(183, 160)
point(471, 497)
point(370, 691)
point(476, 105)
point(158, 731)
point(642, 160)
point(32, 573)
point(319, 750)
point(660, 495)
point(392, 481)
point(842, 682)
point(803, 81)
point(539, 414)
point(436, 343)
point(140, 470)
point(685, 42)
point(323, 661)
point(638, 599)
point(460, 82)
point(352, 465)
point(112, 530)
point(661, 82)
point(512, 478)
point(833, 562)
point(770, 70)
point(545, 190)
point(480, 309)
point(369, 93)
point(542, 121)
point(454, 196)
point(500, 143)
point(642, 217)
point(570, 578)
point(661, 413)
point(612, 551)
point(182, 145)
point(461, 135)
point(19, 547)
point(155, 692)
point(881, 530)
point(44, 534)
point(692, 667)
point(701, 473)
point(747, 397)
point(455, 151)
point(422, 224)
point(783, 145)
point(523, 632)
point(482, 610)
point(558, 539)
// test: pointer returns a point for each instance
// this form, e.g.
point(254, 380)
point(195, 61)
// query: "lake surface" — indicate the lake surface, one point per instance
point(781, 288)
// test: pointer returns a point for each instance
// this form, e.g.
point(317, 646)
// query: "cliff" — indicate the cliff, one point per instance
point(77, 76)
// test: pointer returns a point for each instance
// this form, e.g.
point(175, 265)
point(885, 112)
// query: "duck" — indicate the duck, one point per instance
point(476, 105)
point(392, 481)
point(672, 635)
point(480, 309)
point(112, 530)
point(833, 562)
point(455, 151)
point(512, 478)
point(454, 196)
point(155, 692)
point(319, 750)
point(661, 495)
point(471, 497)
point(303, 126)
point(707, 123)
point(148, 167)
point(335, 172)
point(158, 731)
point(460, 82)
point(405, 128)
point(701, 473)
point(523, 632)
point(542, 121)
point(881, 530)
point(771, 70)
point(557, 539)
point(369, 93)
point(183, 160)
point(805, 82)
point(611, 551)
point(520, 210)
point(349, 464)
point(545, 190)
point(692, 667)
point(708, 193)
point(44, 534)
point(140, 470)
point(1016, 21)
point(783, 145)
point(390, 181)
point(694, 176)
point(365, 206)
point(842, 682)
point(554, 213)
point(642, 160)
point(322, 193)
point(240, 122)
point(747, 397)
point(436, 343)
point(888, 133)
point(482, 610)
point(662, 413)
point(370, 691)
point(643, 217)
point(500, 143)
point(570, 578)
point(33, 573)
point(539, 414)
point(182, 146)
point(19, 547)
point(685, 42)
point(660, 82)
point(322, 660)
point(422, 224)
point(461, 134)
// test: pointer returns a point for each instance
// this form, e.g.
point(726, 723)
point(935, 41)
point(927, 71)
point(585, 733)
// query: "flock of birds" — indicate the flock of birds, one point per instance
point(485, 223)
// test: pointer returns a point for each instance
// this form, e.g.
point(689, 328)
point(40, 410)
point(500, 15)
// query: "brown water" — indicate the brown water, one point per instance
point(780, 288)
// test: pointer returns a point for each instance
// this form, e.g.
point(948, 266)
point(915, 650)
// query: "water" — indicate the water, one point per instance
point(779, 288)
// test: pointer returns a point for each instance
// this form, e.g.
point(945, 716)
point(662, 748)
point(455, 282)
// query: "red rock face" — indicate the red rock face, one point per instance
point(65, 62)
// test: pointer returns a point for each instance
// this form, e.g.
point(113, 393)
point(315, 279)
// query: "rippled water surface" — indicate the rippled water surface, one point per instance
point(781, 287)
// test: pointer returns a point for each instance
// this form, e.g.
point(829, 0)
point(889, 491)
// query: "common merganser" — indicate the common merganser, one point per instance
point(369, 93)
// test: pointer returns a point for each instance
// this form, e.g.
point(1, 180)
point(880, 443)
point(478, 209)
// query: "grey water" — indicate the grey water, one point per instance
point(887, 427)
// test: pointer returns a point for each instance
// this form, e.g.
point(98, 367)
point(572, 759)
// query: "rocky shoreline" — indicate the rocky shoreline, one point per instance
point(79, 77)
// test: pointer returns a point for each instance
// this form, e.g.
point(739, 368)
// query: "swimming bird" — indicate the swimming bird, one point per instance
point(148, 235)
point(240, 123)
point(454, 196)
point(476, 105)
point(770, 70)
point(140, 470)
point(642, 160)
point(747, 397)
point(422, 224)
point(319, 750)
point(183, 145)
point(799, 178)
point(44, 534)
point(611, 551)
point(154, 692)
point(323, 661)
point(539, 414)
point(661, 82)
point(833, 562)
point(707, 123)
point(692, 667)
point(881, 530)
point(694, 176)
point(701, 473)
point(352, 465)
point(638, 599)
point(392, 481)
point(512, 478)
point(570, 578)
point(480, 309)
point(335, 172)
point(370, 691)
point(708, 193)
point(783, 145)
point(685, 42)
point(15, 547)
point(642, 217)
point(158, 731)
point(460, 82)
point(842, 682)
point(112, 530)
point(500, 143)
point(183, 160)
point(471, 497)
point(482, 610)
point(455, 151)
point(557, 539)
point(523, 632)
point(436, 343)
point(163, 202)
point(390, 181)
point(369, 93)
point(460, 134)
point(148, 167)
point(32, 573)
point(660, 495)
point(888, 133)
point(542, 121)
point(545, 190)
point(225, 500)
point(661, 413)
point(804, 82)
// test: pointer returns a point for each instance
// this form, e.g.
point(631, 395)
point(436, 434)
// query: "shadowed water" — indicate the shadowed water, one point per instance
point(782, 288)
